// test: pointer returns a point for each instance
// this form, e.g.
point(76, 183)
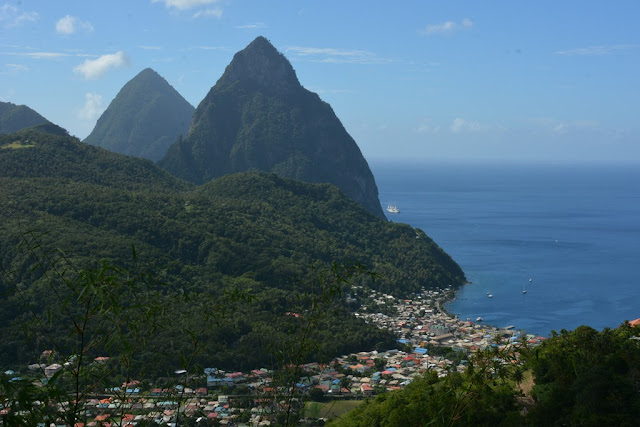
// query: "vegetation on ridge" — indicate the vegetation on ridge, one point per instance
point(17, 117)
point(252, 232)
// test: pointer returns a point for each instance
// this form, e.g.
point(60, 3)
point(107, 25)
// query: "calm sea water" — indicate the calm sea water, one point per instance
point(573, 230)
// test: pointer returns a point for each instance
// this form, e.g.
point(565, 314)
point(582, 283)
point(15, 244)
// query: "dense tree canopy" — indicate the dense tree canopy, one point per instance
point(254, 232)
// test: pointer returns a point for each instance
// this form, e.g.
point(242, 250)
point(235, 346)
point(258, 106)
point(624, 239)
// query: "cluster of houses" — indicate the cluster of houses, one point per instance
point(419, 323)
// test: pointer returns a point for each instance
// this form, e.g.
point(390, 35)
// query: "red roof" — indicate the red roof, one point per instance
point(635, 322)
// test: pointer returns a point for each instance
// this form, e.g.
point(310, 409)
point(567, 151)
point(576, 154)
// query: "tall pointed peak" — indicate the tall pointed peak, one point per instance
point(148, 72)
point(149, 76)
point(260, 64)
point(144, 119)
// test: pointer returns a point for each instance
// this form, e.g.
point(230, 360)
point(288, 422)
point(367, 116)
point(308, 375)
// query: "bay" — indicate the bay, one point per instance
point(573, 230)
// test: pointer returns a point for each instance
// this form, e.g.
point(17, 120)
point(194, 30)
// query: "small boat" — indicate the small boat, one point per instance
point(393, 209)
point(478, 319)
point(490, 295)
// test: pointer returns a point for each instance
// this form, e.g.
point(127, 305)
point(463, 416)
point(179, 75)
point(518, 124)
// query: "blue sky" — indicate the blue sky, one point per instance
point(460, 81)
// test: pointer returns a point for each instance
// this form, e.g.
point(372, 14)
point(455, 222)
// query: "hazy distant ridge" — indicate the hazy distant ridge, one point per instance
point(144, 119)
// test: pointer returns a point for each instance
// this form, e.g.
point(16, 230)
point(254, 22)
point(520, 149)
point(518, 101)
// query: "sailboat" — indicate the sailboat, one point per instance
point(392, 209)
point(524, 291)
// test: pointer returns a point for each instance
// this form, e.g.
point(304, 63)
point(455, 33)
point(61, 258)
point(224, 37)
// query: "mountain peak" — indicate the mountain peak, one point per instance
point(144, 119)
point(259, 117)
point(261, 65)
point(17, 117)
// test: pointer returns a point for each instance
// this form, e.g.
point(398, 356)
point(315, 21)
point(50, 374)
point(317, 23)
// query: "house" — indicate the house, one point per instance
point(366, 389)
point(440, 339)
point(50, 370)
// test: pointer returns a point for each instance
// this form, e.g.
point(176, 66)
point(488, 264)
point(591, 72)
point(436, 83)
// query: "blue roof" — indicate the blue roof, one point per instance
point(420, 350)
point(403, 341)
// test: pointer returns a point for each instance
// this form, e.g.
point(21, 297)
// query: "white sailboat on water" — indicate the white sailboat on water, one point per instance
point(392, 209)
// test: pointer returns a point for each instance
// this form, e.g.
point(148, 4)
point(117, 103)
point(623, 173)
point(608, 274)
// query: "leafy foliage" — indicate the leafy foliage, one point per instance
point(586, 377)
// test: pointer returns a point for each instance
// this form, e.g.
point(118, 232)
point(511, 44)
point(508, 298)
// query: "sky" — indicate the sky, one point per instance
point(456, 81)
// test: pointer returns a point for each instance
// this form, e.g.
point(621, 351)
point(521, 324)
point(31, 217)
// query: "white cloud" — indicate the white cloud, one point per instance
point(150, 47)
point(17, 68)
point(217, 13)
point(252, 26)
point(70, 24)
point(427, 126)
point(93, 69)
point(447, 27)
point(184, 4)
point(562, 127)
point(596, 50)
point(165, 59)
point(460, 125)
point(211, 48)
point(38, 55)
point(331, 55)
point(92, 108)
point(12, 16)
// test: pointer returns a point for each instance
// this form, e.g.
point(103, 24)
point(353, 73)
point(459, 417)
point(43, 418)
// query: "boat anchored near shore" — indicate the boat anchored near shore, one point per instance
point(392, 209)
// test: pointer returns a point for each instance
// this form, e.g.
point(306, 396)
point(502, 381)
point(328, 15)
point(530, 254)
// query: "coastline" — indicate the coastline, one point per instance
point(449, 299)
point(586, 234)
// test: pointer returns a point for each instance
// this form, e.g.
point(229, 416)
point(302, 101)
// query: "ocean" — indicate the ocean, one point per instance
point(569, 235)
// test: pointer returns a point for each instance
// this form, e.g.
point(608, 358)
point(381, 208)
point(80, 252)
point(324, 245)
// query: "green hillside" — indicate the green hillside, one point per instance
point(257, 233)
point(17, 117)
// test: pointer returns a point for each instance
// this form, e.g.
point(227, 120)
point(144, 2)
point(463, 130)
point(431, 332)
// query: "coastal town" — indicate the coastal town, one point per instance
point(429, 340)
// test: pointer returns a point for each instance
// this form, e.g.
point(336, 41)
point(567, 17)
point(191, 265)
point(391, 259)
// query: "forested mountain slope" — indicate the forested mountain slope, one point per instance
point(257, 232)
point(17, 117)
